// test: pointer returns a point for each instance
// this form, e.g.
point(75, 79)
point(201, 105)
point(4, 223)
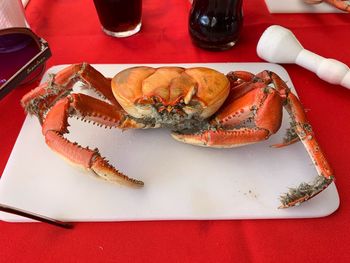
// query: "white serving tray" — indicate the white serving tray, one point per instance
point(298, 6)
point(182, 181)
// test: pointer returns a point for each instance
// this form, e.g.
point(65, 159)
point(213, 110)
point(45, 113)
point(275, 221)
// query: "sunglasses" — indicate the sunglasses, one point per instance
point(22, 57)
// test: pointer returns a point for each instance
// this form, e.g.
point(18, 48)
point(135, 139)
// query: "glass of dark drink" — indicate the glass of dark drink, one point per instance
point(119, 18)
point(215, 24)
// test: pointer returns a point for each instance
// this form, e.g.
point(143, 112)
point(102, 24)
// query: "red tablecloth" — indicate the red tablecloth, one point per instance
point(73, 31)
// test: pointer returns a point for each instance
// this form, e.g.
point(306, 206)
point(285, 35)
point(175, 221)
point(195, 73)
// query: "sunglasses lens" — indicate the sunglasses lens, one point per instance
point(16, 50)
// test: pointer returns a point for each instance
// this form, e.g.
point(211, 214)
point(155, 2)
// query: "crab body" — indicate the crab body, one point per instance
point(201, 106)
point(170, 97)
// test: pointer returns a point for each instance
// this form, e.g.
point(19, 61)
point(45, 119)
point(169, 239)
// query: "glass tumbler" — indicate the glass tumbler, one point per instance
point(119, 18)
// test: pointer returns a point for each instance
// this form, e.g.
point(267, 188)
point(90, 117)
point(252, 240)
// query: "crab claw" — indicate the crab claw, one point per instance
point(254, 115)
point(223, 138)
point(55, 126)
point(87, 159)
point(103, 169)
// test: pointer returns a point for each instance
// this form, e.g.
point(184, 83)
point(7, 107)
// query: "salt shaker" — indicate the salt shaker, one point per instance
point(215, 24)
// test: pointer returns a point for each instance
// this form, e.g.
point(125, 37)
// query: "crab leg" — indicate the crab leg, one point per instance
point(304, 131)
point(40, 99)
point(241, 82)
point(340, 4)
point(251, 118)
point(221, 138)
point(252, 115)
point(55, 126)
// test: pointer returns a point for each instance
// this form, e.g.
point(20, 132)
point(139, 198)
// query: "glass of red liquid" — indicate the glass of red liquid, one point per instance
point(119, 18)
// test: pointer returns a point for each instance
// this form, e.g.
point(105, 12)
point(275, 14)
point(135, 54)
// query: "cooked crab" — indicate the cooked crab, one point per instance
point(201, 106)
point(343, 5)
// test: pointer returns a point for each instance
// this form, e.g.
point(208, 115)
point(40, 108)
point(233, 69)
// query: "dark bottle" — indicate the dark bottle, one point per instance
point(215, 24)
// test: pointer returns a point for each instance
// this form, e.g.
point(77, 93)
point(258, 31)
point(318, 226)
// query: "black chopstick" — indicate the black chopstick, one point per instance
point(19, 212)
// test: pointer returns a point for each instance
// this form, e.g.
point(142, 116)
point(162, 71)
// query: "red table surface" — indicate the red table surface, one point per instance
point(73, 32)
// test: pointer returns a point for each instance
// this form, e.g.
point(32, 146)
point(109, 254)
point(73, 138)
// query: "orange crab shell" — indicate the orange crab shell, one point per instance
point(138, 88)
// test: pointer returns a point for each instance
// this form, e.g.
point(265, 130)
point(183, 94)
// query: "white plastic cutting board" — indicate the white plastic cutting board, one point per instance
point(298, 6)
point(181, 181)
